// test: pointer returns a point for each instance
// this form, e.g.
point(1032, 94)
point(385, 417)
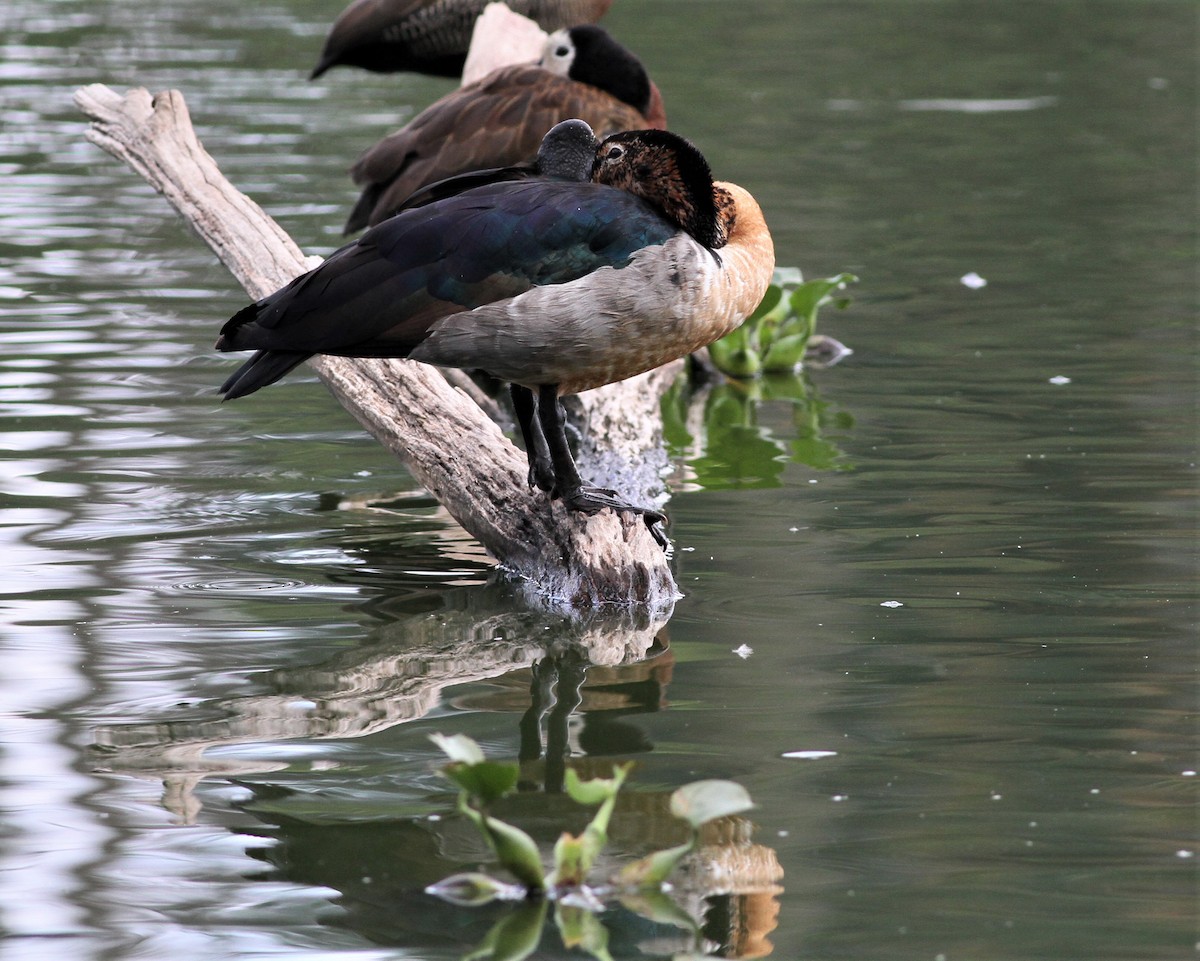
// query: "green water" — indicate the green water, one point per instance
point(964, 558)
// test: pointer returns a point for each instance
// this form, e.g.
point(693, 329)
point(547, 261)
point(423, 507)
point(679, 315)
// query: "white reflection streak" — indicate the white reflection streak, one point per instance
point(52, 837)
point(955, 105)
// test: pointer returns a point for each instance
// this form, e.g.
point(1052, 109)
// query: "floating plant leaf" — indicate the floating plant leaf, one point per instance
point(518, 853)
point(659, 907)
point(597, 789)
point(580, 928)
point(652, 870)
point(704, 801)
point(574, 856)
point(774, 338)
point(486, 782)
point(513, 937)
point(459, 748)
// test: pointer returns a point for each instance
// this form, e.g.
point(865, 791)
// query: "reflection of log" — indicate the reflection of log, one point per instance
point(447, 442)
point(399, 678)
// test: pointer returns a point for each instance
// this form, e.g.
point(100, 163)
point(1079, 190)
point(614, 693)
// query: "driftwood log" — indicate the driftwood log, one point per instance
point(448, 443)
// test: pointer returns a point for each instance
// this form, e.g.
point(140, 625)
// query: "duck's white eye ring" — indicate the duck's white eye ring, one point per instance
point(615, 152)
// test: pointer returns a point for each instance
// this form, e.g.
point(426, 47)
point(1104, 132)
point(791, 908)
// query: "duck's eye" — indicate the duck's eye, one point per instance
point(616, 153)
point(561, 51)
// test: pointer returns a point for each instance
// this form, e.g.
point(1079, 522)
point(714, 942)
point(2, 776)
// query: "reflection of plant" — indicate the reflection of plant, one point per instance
point(774, 338)
point(718, 431)
point(638, 886)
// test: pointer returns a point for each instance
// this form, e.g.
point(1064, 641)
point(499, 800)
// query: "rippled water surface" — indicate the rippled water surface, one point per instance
point(960, 566)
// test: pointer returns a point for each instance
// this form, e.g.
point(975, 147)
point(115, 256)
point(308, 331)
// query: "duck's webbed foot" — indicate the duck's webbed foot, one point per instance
point(592, 500)
point(574, 493)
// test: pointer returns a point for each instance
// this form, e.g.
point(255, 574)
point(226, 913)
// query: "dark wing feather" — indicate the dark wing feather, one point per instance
point(452, 186)
point(380, 296)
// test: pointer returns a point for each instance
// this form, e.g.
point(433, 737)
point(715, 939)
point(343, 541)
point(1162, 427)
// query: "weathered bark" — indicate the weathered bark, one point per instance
point(451, 447)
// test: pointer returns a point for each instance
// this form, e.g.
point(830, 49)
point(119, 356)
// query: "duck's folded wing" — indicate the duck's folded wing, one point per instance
point(381, 295)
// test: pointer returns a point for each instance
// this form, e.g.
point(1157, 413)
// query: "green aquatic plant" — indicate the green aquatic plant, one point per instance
point(568, 882)
point(775, 338)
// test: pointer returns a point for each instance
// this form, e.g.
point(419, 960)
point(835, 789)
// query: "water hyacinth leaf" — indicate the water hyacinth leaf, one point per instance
point(704, 801)
point(581, 929)
point(788, 277)
point(659, 907)
point(737, 353)
point(472, 889)
point(771, 300)
point(513, 937)
point(485, 781)
point(652, 870)
point(597, 789)
point(574, 856)
point(570, 861)
point(785, 354)
point(517, 852)
point(459, 748)
point(813, 294)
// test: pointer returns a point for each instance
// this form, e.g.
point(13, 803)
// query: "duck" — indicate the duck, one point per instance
point(430, 36)
point(584, 73)
point(552, 284)
point(567, 152)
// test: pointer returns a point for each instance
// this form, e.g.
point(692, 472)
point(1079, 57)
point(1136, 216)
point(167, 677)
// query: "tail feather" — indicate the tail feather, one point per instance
point(265, 367)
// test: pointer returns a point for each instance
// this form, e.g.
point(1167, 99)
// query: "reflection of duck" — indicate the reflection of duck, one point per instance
point(553, 286)
point(430, 36)
point(501, 119)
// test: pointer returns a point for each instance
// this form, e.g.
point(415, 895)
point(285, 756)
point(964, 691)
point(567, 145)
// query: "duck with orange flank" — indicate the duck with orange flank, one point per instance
point(554, 285)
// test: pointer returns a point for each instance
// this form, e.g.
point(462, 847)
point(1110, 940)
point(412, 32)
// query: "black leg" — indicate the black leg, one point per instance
point(541, 470)
point(568, 485)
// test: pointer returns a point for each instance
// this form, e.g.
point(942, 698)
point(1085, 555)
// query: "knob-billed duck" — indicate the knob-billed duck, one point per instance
point(553, 285)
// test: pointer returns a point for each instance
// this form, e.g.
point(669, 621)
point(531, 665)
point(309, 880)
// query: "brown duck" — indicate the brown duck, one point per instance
point(500, 120)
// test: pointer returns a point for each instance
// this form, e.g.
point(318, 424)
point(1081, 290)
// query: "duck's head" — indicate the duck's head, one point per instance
point(568, 151)
point(669, 173)
point(589, 54)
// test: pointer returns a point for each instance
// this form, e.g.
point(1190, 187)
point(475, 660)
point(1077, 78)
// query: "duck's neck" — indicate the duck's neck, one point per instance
point(748, 253)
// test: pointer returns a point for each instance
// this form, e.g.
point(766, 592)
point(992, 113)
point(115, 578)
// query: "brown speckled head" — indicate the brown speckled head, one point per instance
point(669, 173)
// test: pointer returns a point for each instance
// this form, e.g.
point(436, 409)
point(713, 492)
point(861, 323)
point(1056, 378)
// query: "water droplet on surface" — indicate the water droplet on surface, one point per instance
point(972, 280)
